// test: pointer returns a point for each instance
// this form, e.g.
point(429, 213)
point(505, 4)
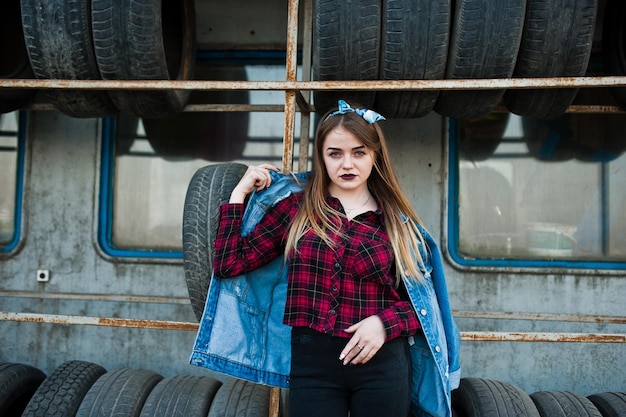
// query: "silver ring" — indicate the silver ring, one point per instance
point(360, 347)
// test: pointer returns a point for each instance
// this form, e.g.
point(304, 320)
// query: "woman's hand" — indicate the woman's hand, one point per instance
point(369, 336)
point(255, 177)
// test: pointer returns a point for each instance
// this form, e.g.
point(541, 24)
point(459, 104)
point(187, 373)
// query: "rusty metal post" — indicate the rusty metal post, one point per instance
point(290, 117)
point(290, 95)
point(305, 114)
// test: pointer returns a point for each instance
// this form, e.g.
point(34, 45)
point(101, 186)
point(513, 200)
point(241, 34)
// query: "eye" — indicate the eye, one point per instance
point(360, 153)
point(334, 154)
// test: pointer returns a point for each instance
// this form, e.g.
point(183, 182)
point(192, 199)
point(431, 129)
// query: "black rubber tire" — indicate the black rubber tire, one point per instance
point(118, 393)
point(556, 42)
point(485, 40)
point(61, 393)
point(346, 46)
point(563, 404)
point(479, 138)
point(145, 40)
point(14, 63)
point(181, 396)
point(59, 44)
point(586, 137)
point(600, 137)
point(610, 404)
point(550, 140)
point(414, 46)
point(213, 136)
point(18, 383)
point(239, 398)
point(614, 44)
point(477, 397)
point(208, 189)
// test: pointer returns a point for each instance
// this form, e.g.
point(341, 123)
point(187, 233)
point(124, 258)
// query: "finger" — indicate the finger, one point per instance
point(256, 177)
point(352, 328)
point(263, 180)
point(270, 167)
point(349, 348)
point(351, 352)
point(365, 355)
point(360, 352)
point(352, 342)
point(262, 174)
point(362, 355)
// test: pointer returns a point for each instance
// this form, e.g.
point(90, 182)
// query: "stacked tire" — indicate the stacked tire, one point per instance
point(84, 389)
point(464, 39)
point(14, 63)
point(111, 40)
point(614, 44)
point(18, 383)
point(209, 188)
point(585, 137)
point(556, 42)
point(478, 397)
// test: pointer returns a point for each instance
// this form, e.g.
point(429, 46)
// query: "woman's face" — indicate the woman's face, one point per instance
point(348, 162)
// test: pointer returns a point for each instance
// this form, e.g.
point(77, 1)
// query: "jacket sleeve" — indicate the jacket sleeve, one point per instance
point(399, 320)
point(236, 254)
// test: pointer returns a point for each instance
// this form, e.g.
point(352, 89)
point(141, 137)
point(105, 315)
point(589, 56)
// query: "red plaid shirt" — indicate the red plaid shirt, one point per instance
point(329, 289)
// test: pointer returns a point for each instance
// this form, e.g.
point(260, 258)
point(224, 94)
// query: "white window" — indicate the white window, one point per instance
point(153, 160)
point(534, 190)
point(10, 175)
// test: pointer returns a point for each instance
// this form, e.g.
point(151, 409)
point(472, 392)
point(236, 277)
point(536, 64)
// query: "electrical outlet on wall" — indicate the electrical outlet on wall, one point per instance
point(43, 275)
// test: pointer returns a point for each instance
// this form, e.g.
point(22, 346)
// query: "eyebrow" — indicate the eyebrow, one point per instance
point(330, 148)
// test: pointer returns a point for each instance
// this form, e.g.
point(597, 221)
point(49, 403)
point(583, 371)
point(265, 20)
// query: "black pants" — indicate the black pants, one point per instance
point(321, 386)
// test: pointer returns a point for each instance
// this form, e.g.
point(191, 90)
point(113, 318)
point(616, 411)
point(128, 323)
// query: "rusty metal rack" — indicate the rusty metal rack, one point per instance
point(297, 99)
point(484, 336)
point(297, 93)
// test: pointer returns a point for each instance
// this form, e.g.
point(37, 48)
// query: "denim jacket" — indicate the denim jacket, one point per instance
point(242, 332)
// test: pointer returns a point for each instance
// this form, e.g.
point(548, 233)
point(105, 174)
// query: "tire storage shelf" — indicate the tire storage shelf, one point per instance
point(411, 59)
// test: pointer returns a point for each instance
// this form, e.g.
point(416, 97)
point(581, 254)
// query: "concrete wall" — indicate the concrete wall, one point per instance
point(60, 234)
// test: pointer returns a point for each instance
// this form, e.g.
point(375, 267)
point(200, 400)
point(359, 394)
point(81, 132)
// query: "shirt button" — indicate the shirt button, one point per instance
point(337, 266)
point(334, 289)
point(437, 349)
point(333, 312)
point(423, 312)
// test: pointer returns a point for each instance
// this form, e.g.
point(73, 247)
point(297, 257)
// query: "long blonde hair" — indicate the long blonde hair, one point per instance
point(400, 219)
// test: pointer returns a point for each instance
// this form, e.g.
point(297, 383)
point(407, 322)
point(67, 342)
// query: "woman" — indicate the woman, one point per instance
point(350, 240)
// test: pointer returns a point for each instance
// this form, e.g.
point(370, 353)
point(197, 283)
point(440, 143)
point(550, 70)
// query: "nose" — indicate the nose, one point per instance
point(347, 161)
